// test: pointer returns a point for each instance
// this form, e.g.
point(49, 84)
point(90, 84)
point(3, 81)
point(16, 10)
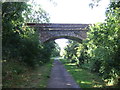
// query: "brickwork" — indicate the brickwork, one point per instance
point(54, 31)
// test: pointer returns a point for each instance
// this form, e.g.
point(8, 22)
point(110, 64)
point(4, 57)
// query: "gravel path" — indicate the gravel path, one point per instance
point(60, 78)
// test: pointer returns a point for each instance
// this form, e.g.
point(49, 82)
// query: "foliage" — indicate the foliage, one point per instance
point(94, 3)
point(22, 49)
point(103, 45)
point(100, 52)
point(19, 41)
point(35, 14)
point(11, 23)
point(47, 51)
point(84, 78)
point(56, 50)
point(74, 52)
point(18, 75)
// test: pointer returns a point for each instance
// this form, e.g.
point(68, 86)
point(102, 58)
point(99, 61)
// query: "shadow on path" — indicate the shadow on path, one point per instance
point(60, 78)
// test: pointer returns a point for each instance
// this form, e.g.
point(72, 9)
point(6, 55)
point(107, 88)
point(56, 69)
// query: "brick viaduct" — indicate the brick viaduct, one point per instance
point(52, 31)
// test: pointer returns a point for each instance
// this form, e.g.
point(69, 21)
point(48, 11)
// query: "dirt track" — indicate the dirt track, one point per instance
point(60, 78)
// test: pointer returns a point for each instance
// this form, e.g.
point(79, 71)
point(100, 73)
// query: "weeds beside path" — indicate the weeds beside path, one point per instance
point(16, 75)
point(84, 78)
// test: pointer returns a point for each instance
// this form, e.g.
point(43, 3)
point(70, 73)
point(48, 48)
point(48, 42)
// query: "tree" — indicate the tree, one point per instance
point(103, 44)
point(75, 52)
point(19, 41)
point(12, 22)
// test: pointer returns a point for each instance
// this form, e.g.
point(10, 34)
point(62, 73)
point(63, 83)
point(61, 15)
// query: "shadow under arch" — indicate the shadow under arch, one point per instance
point(65, 37)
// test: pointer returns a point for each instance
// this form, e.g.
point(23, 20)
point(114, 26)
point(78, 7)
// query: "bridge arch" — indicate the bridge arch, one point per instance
point(52, 31)
point(64, 37)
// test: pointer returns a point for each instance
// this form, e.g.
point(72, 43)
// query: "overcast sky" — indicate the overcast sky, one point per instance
point(73, 11)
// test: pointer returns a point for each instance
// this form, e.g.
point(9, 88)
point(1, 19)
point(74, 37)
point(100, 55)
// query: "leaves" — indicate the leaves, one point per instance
point(102, 43)
point(21, 42)
point(100, 52)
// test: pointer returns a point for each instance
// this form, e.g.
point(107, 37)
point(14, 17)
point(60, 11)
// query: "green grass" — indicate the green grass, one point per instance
point(84, 78)
point(45, 74)
point(18, 75)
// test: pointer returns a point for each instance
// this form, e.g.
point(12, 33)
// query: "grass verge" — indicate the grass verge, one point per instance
point(83, 77)
point(18, 75)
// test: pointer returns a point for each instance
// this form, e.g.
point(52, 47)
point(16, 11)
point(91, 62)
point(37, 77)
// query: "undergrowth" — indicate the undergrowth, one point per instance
point(83, 77)
point(19, 75)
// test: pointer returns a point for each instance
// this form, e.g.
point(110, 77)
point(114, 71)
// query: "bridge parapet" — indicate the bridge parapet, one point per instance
point(50, 31)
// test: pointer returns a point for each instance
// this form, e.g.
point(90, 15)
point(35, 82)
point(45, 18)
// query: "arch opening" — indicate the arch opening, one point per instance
point(64, 37)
